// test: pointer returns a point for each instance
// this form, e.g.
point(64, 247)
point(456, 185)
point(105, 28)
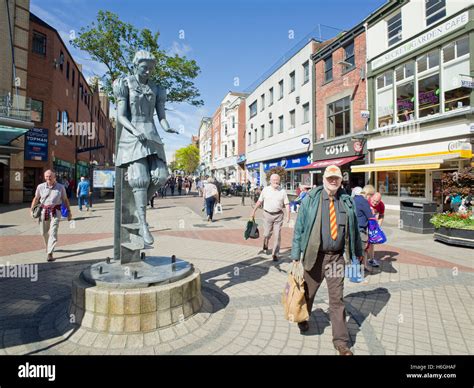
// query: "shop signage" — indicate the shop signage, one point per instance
point(253, 166)
point(241, 158)
point(296, 161)
point(344, 149)
point(305, 140)
point(36, 144)
point(422, 40)
point(467, 84)
point(365, 114)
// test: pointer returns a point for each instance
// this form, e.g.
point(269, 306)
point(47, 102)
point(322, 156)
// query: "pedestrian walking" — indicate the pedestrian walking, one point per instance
point(326, 229)
point(83, 193)
point(210, 197)
point(378, 212)
point(51, 195)
point(274, 199)
point(364, 213)
point(180, 185)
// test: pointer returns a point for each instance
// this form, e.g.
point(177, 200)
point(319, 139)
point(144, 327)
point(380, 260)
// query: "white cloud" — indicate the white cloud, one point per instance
point(179, 48)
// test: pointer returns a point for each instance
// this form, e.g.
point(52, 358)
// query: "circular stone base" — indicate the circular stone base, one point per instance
point(153, 270)
point(119, 310)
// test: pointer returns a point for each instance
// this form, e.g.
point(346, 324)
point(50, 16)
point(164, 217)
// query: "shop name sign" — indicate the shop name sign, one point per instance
point(336, 149)
point(422, 40)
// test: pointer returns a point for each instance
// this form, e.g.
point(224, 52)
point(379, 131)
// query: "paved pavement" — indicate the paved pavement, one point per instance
point(420, 301)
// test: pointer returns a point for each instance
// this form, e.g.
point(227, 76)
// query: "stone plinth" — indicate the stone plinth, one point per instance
point(102, 307)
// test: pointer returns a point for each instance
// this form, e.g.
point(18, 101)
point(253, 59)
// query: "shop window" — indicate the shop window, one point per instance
point(428, 61)
point(385, 99)
point(405, 71)
point(412, 183)
point(456, 65)
point(405, 102)
point(387, 183)
point(339, 118)
point(428, 96)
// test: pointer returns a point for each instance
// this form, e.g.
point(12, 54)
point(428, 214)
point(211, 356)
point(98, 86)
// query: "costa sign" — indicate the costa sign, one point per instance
point(336, 149)
point(324, 151)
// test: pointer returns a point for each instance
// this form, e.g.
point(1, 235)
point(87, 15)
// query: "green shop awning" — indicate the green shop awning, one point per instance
point(8, 134)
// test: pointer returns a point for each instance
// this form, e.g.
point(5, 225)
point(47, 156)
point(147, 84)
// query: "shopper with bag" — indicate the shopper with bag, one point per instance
point(46, 207)
point(274, 200)
point(210, 197)
point(364, 213)
point(326, 230)
point(378, 210)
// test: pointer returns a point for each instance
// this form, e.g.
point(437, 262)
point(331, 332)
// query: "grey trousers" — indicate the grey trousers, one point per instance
point(49, 231)
point(337, 311)
point(272, 223)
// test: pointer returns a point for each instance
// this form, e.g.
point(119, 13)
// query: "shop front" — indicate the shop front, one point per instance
point(294, 166)
point(63, 168)
point(343, 153)
point(253, 172)
point(416, 171)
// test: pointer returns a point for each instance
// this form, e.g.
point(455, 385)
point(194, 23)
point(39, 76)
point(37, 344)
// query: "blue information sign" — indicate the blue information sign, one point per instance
point(36, 144)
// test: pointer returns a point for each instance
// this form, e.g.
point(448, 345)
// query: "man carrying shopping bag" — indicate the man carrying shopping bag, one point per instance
point(325, 230)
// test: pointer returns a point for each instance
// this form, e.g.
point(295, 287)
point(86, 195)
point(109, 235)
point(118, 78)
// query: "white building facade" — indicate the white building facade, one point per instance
point(205, 144)
point(280, 123)
point(420, 97)
point(225, 163)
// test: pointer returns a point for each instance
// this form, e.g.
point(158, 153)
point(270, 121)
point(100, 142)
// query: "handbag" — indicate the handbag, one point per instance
point(64, 211)
point(293, 299)
point(37, 208)
point(251, 231)
point(375, 232)
point(218, 208)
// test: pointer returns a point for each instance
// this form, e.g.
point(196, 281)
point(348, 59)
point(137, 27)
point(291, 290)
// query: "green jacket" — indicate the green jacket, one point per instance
point(307, 214)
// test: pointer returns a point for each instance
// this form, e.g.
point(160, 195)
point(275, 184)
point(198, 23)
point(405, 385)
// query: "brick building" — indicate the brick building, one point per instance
point(340, 102)
point(15, 115)
point(70, 115)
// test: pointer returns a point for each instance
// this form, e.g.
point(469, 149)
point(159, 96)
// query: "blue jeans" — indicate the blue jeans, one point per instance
point(210, 202)
point(83, 199)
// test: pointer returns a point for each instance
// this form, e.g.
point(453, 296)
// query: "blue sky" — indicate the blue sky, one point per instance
point(228, 39)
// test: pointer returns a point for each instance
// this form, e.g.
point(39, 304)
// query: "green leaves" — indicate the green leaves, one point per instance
point(187, 159)
point(110, 41)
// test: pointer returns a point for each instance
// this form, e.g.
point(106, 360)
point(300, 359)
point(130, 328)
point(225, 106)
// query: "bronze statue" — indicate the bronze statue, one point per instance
point(140, 148)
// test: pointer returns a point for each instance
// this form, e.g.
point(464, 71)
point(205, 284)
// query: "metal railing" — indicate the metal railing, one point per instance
point(15, 106)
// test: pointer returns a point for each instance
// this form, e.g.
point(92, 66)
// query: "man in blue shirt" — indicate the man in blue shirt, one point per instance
point(83, 193)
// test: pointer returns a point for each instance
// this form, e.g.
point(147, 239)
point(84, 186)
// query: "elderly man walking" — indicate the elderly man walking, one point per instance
point(326, 229)
point(51, 195)
point(274, 199)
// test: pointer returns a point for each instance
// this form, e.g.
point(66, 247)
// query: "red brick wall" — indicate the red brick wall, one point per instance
point(50, 85)
point(342, 85)
point(241, 128)
point(216, 134)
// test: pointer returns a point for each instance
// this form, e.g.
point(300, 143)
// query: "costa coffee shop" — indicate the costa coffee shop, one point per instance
point(344, 153)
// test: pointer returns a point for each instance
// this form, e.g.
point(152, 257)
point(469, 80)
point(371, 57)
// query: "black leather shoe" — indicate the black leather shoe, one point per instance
point(303, 326)
point(275, 258)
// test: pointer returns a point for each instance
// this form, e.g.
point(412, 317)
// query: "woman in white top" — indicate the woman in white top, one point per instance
point(210, 196)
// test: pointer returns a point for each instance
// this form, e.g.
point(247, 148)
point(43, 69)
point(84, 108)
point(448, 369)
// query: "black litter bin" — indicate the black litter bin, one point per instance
point(415, 215)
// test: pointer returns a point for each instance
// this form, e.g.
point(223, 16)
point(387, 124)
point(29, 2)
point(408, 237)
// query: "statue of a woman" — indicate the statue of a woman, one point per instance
point(140, 147)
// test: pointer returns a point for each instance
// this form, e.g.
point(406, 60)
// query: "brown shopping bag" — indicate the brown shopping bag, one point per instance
point(294, 302)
